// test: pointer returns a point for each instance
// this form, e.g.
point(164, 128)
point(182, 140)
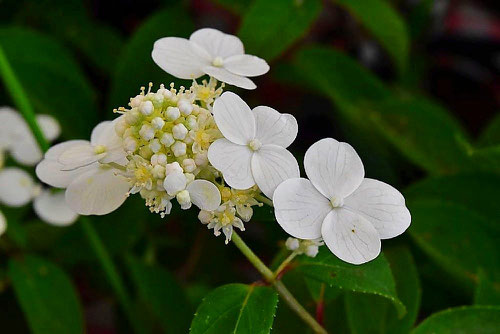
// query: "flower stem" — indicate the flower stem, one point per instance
point(278, 285)
point(264, 200)
point(285, 263)
point(24, 106)
point(20, 99)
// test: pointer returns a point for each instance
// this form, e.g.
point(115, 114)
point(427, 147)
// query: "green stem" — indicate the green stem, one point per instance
point(21, 100)
point(285, 263)
point(24, 106)
point(264, 200)
point(278, 285)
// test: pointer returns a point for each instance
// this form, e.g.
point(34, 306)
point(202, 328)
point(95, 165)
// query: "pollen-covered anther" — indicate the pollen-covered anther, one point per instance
point(255, 144)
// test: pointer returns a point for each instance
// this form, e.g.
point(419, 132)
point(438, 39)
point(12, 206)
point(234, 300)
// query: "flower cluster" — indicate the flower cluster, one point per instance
point(207, 147)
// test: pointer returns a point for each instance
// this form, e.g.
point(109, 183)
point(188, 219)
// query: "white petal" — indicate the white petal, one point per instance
point(271, 165)
point(217, 43)
point(105, 134)
point(234, 118)
point(234, 161)
point(51, 172)
point(300, 209)
point(10, 124)
point(334, 168)
point(98, 132)
point(78, 156)
point(3, 223)
point(178, 57)
point(55, 151)
point(204, 194)
point(246, 65)
point(350, 237)
point(52, 209)
point(49, 126)
point(382, 205)
point(16, 187)
point(26, 151)
point(224, 75)
point(97, 192)
point(274, 127)
point(175, 182)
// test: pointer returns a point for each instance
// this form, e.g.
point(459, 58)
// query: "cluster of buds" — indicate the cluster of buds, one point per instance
point(308, 247)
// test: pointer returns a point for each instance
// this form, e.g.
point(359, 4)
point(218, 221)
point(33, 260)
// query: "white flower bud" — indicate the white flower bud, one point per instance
point(173, 167)
point(189, 177)
point(179, 131)
point(191, 122)
point(158, 172)
point(184, 199)
point(292, 244)
point(158, 99)
point(179, 148)
point(167, 139)
point(205, 216)
point(147, 132)
point(312, 250)
point(120, 127)
point(155, 145)
point(189, 165)
point(190, 137)
point(154, 159)
point(167, 94)
point(185, 107)
point(136, 101)
point(132, 116)
point(130, 144)
point(146, 108)
point(158, 123)
point(201, 159)
point(162, 159)
point(173, 113)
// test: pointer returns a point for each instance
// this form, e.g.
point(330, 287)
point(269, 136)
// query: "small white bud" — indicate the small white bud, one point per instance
point(184, 199)
point(132, 116)
point(189, 177)
point(147, 132)
point(155, 145)
point(130, 144)
point(190, 137)
point(185, 107)
point(205, 216)
point(136, 101)
point(162, 159)
point(292, 244)
point(189, 165)
point(191, 122)
point(120, 127)
point(167, 139)
point(201, 159)
point(146, 108)
point(173, 167)
point(154, 159)
point(312, 250)
point(167, 94)
point(158, 172)
point(179, 148)
point(158, 123)
point(173, 113)
point(179, 131)
point(158, 99)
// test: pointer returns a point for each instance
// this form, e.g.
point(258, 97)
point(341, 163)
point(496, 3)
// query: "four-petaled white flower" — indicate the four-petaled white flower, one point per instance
point(89, 170)
point(17, 188)
point(351, 213)
point(16, 137)
point(254, 148)
point(208, 51)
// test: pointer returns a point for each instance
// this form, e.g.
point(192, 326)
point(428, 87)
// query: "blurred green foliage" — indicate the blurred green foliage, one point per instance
point(77, 67)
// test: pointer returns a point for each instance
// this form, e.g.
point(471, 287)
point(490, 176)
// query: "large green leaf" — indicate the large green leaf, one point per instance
point(373, 314)
point(160, 292)
point(487, 292)
point(270, 27)
point(385, 24)
point(462, 320)
point(236, 308)
point(374, 277)
point(491, 134)
point(46, 295)
point(135, 66)
point(52, 79)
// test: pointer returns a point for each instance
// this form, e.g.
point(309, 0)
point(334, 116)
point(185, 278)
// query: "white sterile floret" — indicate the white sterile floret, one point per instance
point(351, 213)
point(185, 107)
point(254, 148)
point(17, 187)
point(51, 207)
point(179, 131)
point(157, 123)
point(179, 148)
point(146, 108)
point(173, 113)
point(208, 51)
point(167, 139)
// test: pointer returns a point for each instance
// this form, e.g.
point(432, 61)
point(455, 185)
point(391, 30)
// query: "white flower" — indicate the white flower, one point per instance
point(87, 170)
point(3, 223)
point(254, 148)
point(351, 213)
point(17, 139)
point(17, 188)
point(208, 51)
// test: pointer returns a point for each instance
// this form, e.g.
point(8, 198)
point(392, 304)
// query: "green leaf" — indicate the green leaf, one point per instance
point(54, 82)
point(374, 277)
point(491, 134)
point(160, 292)
point(378, 17)
point(373, 314)
point(46, 295)
point(236, 308)
point(468, 319)
point(487, 292)
point(135, 67)
point(270, 27)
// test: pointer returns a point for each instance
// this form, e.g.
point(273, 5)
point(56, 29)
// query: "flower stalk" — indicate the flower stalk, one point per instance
point(282, 290)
